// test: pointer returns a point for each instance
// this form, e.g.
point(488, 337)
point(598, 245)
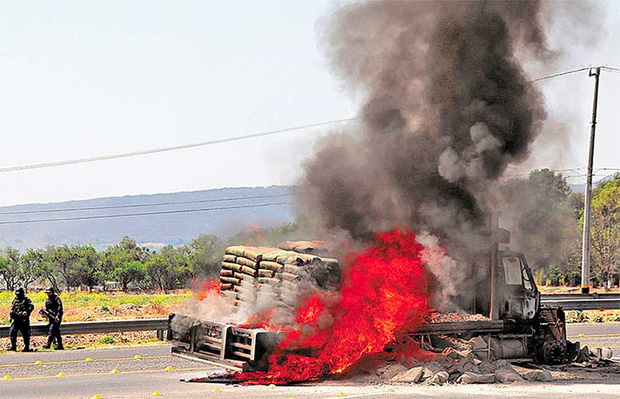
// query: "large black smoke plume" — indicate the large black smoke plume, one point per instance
point(448, 106)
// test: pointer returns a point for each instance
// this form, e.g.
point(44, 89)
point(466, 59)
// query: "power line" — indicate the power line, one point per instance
point(562, 74)
point(167, 149)
point(225, 140)
point(575, 171)
point(93, 208)
point(610, 68)
point(143, 213)
point(607, 68)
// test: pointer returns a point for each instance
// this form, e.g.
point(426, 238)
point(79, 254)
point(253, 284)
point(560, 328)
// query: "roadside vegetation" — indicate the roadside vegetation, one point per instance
point(83, 306)
point(127, 266)
point(547, 222)
point(593, 316)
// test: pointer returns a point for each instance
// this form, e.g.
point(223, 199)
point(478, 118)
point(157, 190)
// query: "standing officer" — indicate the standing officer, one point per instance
point(20, 319)
point(53, 311)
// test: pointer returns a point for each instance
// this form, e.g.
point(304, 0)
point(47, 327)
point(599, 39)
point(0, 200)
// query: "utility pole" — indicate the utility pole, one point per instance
point(585, 250)
point(494, 264)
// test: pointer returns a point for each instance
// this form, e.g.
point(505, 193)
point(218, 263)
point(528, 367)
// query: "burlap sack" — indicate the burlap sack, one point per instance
point(293, 269)
point(231, 266)
point(273, 266)
point(307, 247)
point(236, 250)
point(252, 253)
point(245, 278)
point(248, 270)
point(229, 280)
point(229, 258)
point(268, 280)
point(246, 262)
point(277, 256)
point(287, 276)
point(265, 273)
point(226, 272)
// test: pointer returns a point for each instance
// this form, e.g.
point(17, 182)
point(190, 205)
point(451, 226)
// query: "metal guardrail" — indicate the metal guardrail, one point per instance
point(582, 302)
point(566, 301)
point(96, 327)
point(596, 295)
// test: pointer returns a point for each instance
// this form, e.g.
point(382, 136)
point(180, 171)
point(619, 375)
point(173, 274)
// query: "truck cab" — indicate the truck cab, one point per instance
point(518, 297)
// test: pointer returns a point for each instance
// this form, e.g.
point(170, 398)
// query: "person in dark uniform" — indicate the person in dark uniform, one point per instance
point(20, 319)
point(53, 311)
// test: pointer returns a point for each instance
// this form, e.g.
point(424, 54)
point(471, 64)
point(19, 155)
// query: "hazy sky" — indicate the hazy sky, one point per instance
point(80, 79)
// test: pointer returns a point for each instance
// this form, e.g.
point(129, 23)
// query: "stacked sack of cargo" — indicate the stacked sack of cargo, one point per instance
point(239, 272)
point(276, 274)
point(316, 247)
point(302, 272)
point(291, 274)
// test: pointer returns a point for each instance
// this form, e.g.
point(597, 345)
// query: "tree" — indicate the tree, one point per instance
point(48, 268)
point(128, 272)
point(125, 262)
point(30, 266)
point(171, 268)
point(62, 261)
point(206, 254)
point(605, 230)
point(88, 266)
point(9, 270)
point(540, 213)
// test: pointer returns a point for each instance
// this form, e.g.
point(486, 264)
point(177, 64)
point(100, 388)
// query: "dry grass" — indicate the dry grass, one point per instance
point(82, 306)
point(593, 316)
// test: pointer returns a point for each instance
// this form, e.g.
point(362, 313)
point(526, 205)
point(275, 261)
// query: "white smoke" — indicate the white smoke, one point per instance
point(443, 268)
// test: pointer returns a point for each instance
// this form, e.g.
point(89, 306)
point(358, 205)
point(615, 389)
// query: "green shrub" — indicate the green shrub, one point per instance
point(108, 339)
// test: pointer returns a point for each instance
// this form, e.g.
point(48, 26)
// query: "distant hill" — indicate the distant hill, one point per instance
point(581, 188)
point(153, 230)
point(578, 188)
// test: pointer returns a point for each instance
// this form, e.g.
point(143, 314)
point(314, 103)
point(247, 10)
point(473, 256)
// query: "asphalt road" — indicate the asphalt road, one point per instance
point(596, 335)
point(143, 385)
point(156, 370)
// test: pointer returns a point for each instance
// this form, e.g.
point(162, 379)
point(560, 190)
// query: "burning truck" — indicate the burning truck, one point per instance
point(293, 315)
point(447, 107)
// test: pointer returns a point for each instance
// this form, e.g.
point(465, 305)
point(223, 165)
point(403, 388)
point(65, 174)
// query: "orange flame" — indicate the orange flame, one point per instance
point(206, 287)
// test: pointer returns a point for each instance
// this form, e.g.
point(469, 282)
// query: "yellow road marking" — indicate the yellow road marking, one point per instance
point(46, 377)
point(110, 359)
point(361, 395)
point(594, 336)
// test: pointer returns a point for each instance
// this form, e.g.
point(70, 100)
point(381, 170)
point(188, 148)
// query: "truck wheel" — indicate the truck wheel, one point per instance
point(553, 352)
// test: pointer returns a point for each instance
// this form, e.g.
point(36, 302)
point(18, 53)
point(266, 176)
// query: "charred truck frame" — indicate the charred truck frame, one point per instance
point(519, 327)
